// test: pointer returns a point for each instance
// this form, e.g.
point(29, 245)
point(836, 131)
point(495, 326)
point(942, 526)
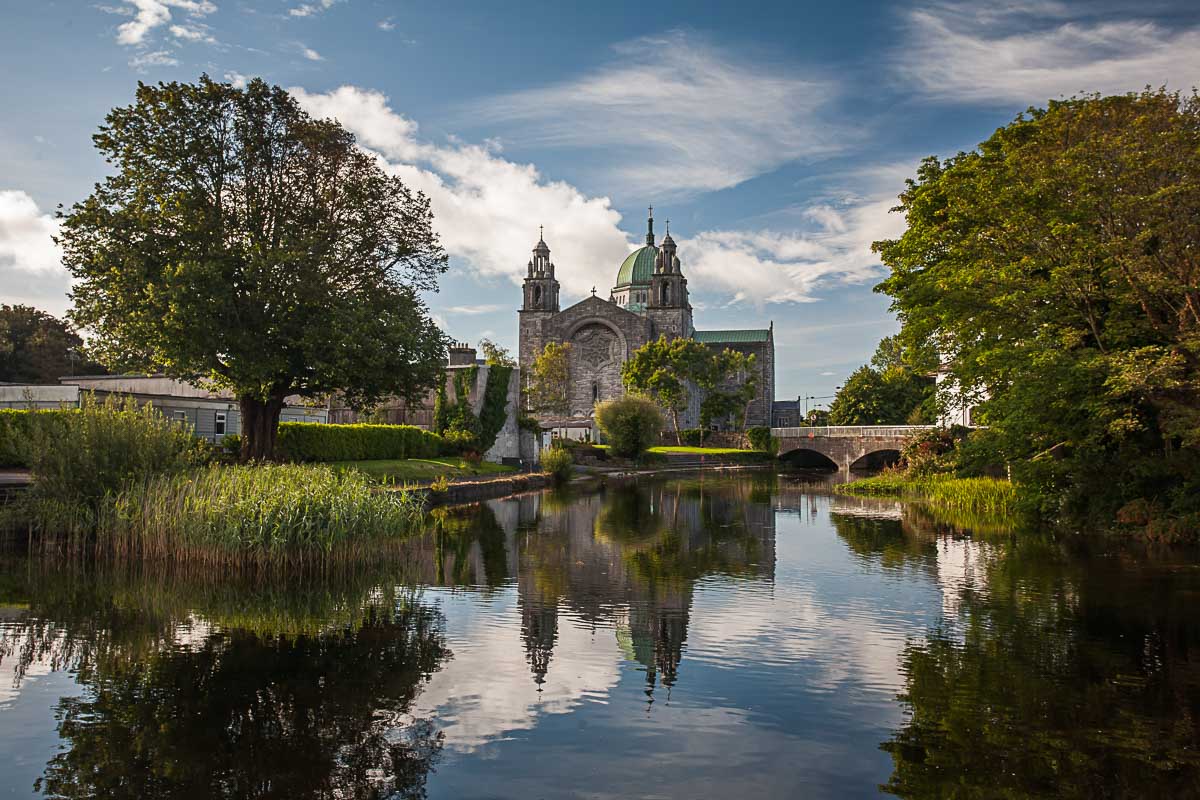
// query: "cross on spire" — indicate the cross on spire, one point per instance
point(650, 228)
point(541, 232)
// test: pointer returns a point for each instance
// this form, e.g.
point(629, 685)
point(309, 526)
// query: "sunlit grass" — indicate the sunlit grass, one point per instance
point(420, 470)
point(268, 514)
point(987, 496)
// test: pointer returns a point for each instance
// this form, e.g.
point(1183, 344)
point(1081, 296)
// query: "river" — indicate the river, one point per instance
point(711, 637)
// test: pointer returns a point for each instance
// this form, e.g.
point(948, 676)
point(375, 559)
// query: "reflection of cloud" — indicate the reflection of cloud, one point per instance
point(487, 688)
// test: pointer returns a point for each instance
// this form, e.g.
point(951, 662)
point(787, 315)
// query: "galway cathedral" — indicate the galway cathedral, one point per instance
point(649, 299)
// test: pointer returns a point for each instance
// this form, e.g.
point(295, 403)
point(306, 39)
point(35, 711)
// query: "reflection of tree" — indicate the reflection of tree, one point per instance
point(887, 542)
point(244, 715)
point(1067, 678)
point(240, 686)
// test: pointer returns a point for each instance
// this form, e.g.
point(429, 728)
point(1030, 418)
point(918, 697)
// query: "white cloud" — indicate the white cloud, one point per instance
point(146, 15)
point(237, 79)
point(685, 116)
point(1029, 53)
point(386, 24)
point(192, 33)
point(486, 209)
point(487, 308)
point(311, 9)
point(31, 268)
point(310, 54)
point(158, 58)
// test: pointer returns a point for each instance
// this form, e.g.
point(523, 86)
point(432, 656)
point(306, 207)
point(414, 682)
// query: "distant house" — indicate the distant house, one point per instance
point(955, 407)
point(787, 414)
point(210, 414)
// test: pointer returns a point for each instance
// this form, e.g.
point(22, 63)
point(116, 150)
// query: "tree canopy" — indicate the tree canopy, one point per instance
point(549, 379)
point(36, 347)
point(242, 243)
point(887, 391)
point(1055, 271)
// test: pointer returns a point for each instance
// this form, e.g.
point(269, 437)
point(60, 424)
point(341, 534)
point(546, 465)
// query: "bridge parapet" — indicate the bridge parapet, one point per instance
point(851, 431)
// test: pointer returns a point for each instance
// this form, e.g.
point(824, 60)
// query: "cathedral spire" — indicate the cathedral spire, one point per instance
point(650, 228)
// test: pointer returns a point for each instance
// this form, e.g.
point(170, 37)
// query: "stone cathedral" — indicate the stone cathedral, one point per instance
point(648, 299)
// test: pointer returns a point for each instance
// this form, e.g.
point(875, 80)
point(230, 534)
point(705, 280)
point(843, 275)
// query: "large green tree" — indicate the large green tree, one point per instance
point(242, 243)
point(549, 380)
point(36, 347)
point(1055, 270)
point(662, 370)
point(887, 391)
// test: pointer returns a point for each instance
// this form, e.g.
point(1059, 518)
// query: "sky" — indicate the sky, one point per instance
point(775, 136)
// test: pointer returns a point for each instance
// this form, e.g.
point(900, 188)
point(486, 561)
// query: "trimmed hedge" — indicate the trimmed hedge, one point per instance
point(312, 441)
point(17, 432)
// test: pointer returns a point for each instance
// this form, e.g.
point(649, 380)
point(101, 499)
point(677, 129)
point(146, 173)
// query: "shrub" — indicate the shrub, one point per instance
point(760, 438)
point(529, 424)
point(558, 464)
point(272, 513)
point(456, 442)
point(312, 441)
point(18, 429)
point(691, 437)
point(632, 425)
point(231, 445)
point(105, 447)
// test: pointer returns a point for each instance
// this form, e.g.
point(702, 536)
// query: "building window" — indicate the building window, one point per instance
point(180, 416)
point(219, 425)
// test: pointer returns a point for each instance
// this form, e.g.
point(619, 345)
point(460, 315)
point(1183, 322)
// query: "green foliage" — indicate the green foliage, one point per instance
point(1054, 271)
point(631, 424)
point(495, 400)
point(761, 439)
point(885, 392)
point(549, 380)
point(310, 441)
point(993, 497)
point(496, 356)
point(662, 370)
point(231, 444)
point(459, 441)
point(19, 429)
point(106, 447)
point(36, 347)
point(558, 463)
point(243, 243)
point(441, 411)
point(529, 424)
point(264, 514)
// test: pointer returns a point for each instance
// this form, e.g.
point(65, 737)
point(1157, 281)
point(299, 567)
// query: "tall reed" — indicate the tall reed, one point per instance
point(280, 514)
point(984, 496)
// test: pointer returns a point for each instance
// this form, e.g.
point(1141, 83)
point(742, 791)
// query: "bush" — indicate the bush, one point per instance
point(459, 442)
point(312, 441)
point(105, 447)
point(760, 439)
point(691, 437)
point(632, 425)
point(231, 445)
point(558, 464)
point(274, 513)
point(18, 429)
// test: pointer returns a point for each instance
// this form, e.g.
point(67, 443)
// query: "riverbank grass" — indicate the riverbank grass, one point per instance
point(265, 514)
point(993, 497)
point(420, 470)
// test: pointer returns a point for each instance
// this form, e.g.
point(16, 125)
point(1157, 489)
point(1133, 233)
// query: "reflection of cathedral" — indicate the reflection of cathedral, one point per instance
point(649, 299)
point(627, 560)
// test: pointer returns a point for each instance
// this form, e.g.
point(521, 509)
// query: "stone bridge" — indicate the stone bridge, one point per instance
point(845, 447)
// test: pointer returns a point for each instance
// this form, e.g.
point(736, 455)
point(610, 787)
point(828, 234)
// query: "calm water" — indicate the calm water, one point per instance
point(716, 638)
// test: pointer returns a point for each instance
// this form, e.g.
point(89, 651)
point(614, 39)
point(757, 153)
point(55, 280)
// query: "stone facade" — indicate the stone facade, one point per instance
point(648, 300)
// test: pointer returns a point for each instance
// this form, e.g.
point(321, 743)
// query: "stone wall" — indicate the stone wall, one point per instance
point(508, 441)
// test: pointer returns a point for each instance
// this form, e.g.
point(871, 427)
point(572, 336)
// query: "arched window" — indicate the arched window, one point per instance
point(666, 293)
point(537, 295)
point(595, 393)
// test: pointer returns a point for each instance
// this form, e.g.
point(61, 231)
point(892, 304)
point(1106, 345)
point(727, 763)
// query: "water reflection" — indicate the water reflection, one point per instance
point(745, 636)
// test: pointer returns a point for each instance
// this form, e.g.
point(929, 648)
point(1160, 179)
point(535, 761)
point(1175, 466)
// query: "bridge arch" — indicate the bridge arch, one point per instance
point(876, 459)
point(806, 458)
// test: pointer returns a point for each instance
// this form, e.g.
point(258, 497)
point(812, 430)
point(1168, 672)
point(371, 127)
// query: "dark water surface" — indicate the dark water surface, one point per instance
point(720, 638)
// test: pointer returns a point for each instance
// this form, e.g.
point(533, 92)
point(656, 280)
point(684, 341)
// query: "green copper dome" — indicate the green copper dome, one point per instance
point(637, 267)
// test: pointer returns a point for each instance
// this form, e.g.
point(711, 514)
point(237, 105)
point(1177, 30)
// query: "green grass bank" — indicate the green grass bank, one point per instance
point(984, 497)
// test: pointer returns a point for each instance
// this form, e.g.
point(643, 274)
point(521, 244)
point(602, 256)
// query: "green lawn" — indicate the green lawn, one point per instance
point(421, 470)
point(706, 451)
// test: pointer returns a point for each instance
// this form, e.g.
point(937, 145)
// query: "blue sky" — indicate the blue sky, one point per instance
point(774, 136)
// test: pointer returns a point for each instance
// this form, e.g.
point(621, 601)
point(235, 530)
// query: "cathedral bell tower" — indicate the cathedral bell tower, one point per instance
point(540, 302)
point(668, 304)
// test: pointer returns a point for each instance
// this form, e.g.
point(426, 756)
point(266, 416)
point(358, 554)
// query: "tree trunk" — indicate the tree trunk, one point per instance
point(260, 425)
point(675, 422)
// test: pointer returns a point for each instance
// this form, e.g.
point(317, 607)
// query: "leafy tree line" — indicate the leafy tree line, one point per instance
point(1055, 270)
point(886, 391)
point(243, 243)
point(36, 347)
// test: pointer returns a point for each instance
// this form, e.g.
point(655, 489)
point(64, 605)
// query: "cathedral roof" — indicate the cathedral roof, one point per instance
point(637, 268)
point(733, 336)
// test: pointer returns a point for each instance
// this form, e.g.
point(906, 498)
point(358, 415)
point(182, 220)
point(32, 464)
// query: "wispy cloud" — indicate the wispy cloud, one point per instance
point(311, 9)
point(1027, 53)
point(310, 54)
point(386, 24)
point(157, 58)
point(487, 209)
point(146, 15)
point(193, 33)
point(472, 310)
point(684, 115)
